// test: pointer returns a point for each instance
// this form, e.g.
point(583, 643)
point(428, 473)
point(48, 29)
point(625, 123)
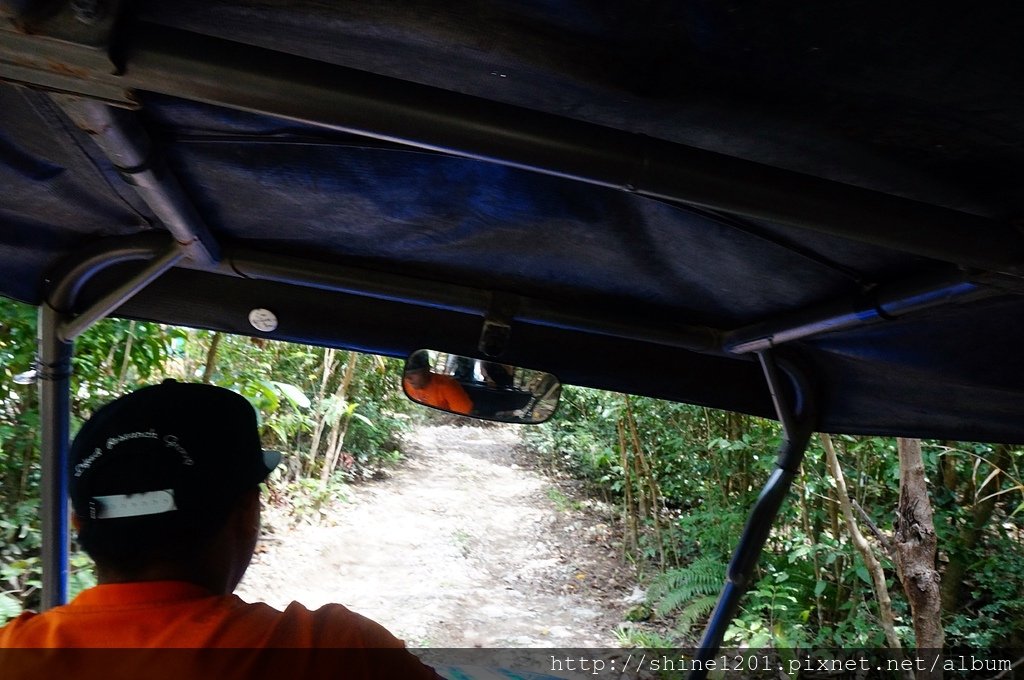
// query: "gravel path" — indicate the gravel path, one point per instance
point(460, 547)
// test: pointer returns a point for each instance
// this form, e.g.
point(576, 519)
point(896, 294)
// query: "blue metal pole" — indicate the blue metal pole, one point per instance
point(54, 425)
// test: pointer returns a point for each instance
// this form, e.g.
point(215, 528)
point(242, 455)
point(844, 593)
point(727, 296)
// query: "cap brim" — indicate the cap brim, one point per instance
point(271, 459)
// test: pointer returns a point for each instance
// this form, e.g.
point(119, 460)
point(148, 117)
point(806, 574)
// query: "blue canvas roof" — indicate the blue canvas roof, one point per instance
point(648, 190)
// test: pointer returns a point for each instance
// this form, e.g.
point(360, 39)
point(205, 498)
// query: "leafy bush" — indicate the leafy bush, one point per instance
point(689, 593)
point(811, 586)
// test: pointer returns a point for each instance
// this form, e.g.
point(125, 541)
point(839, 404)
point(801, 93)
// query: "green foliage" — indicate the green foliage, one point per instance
point(373, 435)
point(689, 592)
point(775, 614)
point(581, 438)
point(10, 607)
point(562, 502)
point(812, 587)
point(307, 501)
point(994, 614)
point(697, 536)
point(19, 558)
point(81, 574)
point(638, 638)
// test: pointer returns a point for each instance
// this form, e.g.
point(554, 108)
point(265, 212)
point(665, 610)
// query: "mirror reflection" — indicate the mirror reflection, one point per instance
point(480, 388)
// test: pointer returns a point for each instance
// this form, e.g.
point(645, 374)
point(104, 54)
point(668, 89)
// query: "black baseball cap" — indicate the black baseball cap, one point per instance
point(418, 361)
point(172, 447)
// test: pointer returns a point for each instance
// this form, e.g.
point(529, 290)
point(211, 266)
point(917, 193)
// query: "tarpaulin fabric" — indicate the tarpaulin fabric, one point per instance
point(879, 98)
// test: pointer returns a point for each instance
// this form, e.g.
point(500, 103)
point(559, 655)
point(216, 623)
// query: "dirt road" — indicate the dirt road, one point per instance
point(461, 547)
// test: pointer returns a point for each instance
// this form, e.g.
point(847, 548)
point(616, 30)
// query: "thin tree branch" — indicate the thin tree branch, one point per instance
point(887, 619)
point(885, 541)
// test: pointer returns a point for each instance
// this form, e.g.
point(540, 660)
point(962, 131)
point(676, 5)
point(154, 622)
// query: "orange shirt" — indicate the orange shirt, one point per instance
point(441, 392)
point(174, 614)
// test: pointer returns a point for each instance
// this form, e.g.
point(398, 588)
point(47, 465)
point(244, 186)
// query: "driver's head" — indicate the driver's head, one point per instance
point(164, 482)
point(417, 371)
point(419, 378)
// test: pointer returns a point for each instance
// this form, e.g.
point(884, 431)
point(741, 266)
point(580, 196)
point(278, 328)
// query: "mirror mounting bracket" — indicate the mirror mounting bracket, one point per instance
point(497, 328)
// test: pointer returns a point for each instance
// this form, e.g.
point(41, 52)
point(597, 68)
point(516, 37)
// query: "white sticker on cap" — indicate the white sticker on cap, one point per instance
point(134, 505)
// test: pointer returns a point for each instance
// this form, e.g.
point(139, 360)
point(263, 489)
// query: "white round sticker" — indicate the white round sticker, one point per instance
point(263, 319)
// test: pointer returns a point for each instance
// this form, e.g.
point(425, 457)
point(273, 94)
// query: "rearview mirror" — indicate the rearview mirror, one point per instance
point(480, 388)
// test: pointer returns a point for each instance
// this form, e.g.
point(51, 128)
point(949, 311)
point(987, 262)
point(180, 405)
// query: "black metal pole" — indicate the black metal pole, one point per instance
point(797, 426)
point(55, 405)
point(745, 558)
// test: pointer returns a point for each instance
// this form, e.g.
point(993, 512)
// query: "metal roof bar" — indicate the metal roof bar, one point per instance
point(122, 138)
point(883, 303)
point(71, 328)
point(203, 68)
point(282, 269)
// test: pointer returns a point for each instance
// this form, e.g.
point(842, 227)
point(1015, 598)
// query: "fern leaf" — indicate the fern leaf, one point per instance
point(696, 611)
point(679, 588)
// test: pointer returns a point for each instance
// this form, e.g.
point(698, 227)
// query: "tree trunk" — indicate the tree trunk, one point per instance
point(340, 427)
point(211, 358)
point(839, 564)
point(632, 540)
point(647, 477)
point(982, 509)
point(736, 426)
point(888, 621)
point(915, 550)
point(127, 359)
point(321, 421)
point(805, 522)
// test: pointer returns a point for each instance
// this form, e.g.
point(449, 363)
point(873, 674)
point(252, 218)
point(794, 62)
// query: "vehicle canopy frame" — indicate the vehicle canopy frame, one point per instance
point(700, 195)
